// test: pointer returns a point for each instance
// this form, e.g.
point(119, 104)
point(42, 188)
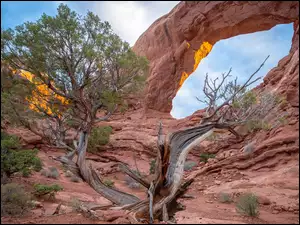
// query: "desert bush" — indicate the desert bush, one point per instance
point(68, 173)
point(14, 200)
point(41, 190)
point(152, 166)
point(255, 125)
point(23, 161)
point(249, 148)
point(188, 165)
point(75, 179)
point(205, 156)
point(52, 172)
point(212, 137)
point(109, 183)
point(99, 136)
point(225, 197)
point(75, 204)
point(247, 204)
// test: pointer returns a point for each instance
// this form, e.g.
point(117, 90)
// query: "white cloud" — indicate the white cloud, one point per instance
point(131, 18)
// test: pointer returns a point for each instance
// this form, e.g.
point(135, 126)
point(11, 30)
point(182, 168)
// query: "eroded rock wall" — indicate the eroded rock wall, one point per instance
point(171, 42)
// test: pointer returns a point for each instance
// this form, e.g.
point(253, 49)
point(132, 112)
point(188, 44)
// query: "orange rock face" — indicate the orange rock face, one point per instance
point(172, 42)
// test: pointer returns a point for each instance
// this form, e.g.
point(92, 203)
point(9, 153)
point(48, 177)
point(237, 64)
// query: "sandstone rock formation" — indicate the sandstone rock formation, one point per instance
point(172, 41)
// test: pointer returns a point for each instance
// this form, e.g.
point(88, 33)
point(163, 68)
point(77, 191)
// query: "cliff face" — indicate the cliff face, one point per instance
point(176, 42)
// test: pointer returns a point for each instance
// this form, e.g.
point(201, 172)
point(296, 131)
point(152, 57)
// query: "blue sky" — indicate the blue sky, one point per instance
point(244, 53)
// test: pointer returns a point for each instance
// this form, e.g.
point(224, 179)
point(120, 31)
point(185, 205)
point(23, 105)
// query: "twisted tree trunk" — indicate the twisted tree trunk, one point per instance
point(167, 185)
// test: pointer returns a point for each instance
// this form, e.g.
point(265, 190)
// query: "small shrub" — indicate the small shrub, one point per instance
point(152, 166)
point(282, 120)
point(225, 198)
point(99, 136)
point(13, 161)
point(14, 200)
point(26, 172)
point(52, 172)
point(189, 165)
point(212, 137)
point(68, 174)
point(249, 148)
point(41, 190)
point(9, 141)
point(255, 125)
point(109, 183)
point(75, 179)
point(75, 204)
point(247, 204)
point(205, 156)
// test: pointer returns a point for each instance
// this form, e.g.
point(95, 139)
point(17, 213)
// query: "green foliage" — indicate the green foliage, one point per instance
point(109, 183)
point(152, 166)
point(14, 200)
point(41, 189)
point(245, 101)
point(24, 161)
point(75, 54)
point(189, 165)
point(205, 156)
point(247, 204)
point(9, 141)
point(99, 136)
point(225, 197)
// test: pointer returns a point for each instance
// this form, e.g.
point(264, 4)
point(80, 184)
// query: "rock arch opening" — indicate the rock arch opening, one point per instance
point(242, 53)
point(171, 41)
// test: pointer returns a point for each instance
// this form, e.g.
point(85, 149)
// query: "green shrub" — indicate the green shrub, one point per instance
point(205, 156)
point(14, 200)
point(152, 166)
point(24, 161)
point(99, 136)
point(9, 141)
point(109, 183)
point(189, 165)
point(41, 190)
point(225, 197)
point(247, 205)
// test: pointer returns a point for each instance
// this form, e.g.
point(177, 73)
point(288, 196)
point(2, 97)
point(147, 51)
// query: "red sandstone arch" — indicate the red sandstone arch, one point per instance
point(164, 43)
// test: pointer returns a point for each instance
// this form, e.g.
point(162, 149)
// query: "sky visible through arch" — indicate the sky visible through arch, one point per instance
point(244, 53)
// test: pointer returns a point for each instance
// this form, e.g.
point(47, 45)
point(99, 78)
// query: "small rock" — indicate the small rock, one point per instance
point(112, 215)
point(208, 201)
point(263, 200)
point(37, 204)
point(275, 212)
point(218, 182)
